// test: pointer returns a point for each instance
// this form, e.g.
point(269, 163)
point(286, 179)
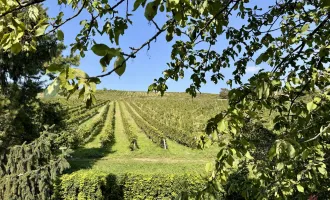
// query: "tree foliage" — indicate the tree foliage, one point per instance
point(224, 93)
point(291, 38)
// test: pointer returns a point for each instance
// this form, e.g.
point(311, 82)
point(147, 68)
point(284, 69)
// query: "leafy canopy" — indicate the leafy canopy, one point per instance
point(291, 38)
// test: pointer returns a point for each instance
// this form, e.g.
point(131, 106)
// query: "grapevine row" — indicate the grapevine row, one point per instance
point(172, 133)
point(88, 114)
point(128, 130)
point(149, 130)
point(93, 126)
point(108, 130)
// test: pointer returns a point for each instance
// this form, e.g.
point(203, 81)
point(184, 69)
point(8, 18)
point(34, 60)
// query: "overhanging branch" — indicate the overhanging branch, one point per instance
point(133, 54)
point(21, 6)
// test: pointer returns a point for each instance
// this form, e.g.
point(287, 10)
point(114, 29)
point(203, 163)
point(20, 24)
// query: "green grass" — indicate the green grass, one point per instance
point(148, 159)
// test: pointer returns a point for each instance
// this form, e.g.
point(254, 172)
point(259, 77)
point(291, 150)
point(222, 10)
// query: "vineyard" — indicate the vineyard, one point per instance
point(140, 135)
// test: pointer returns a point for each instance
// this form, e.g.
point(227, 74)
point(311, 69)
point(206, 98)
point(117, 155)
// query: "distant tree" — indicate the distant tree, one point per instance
point(224, 93)
point(105, 89)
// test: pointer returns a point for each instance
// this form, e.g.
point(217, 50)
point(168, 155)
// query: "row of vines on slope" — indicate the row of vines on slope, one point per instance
point(108, 130)
point(132, 138)
point(181, 137)
point(83, 115)
point(149, 130)
point(184, 114)
point(93, 126)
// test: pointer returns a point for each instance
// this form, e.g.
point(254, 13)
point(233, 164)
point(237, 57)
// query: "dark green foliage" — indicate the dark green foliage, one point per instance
point(28, 171)
point(23, 123)
point(26, 67)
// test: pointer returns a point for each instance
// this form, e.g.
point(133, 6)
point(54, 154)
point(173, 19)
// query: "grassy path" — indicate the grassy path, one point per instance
point(122, 144)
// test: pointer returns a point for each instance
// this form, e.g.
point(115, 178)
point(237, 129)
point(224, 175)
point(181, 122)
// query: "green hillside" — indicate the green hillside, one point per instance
point(142, 134)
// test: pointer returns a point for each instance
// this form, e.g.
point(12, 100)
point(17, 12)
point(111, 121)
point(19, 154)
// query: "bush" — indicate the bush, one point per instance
point(84, 184)
point(91, 184)
point(224, 93)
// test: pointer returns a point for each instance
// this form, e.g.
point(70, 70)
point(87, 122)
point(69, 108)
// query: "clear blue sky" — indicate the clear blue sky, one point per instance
point(148, 65)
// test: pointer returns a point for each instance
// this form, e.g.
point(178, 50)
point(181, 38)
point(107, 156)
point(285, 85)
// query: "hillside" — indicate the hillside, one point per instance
point(141, 134)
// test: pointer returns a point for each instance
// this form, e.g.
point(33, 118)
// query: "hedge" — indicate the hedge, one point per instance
point(92, 184)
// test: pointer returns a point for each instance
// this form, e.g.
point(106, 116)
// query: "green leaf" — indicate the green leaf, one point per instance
point(100, 49)
point(54, 68)
point(169, 37)
point(41, 30)
point(60, 35)
point(305, 28)
point(222, 125)
point(79, 73)
point(52, 89)
point(322, 170)
point(279, 166)
point(137, 3)
point(120, 65)
point(317, 99)
point(311, 106)
point(16, 48)
point(259, 59)
point(300, 188)
point(162, 8)
point(291, 149)
point(208, 167)
point(151, 10)
point(323, 51)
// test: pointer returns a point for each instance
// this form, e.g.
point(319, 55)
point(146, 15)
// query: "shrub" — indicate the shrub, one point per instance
point(92, 184)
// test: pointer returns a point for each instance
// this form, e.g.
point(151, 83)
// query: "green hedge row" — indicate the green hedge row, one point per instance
point(92, 184)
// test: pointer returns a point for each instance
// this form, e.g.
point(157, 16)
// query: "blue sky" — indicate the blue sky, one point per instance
point(148, 65)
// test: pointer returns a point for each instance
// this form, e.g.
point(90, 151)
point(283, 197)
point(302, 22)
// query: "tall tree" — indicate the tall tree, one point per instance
point(30, 158)
point(291, 37)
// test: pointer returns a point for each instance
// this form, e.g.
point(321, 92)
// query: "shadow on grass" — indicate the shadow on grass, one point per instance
point(114, 189)
point(84, 158)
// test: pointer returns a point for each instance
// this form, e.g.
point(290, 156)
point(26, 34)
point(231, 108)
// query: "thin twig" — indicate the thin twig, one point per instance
point(19, 3)
point(319, 134)
point(155, 25)
point(126, 9)
point(74, 16)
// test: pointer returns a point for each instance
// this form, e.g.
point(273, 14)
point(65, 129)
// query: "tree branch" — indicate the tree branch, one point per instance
point(133, 54)
point(216, 15)
point(302, 45)
point(319, 134)
point(95, 17)
point(74, 16)
point(20, 7)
